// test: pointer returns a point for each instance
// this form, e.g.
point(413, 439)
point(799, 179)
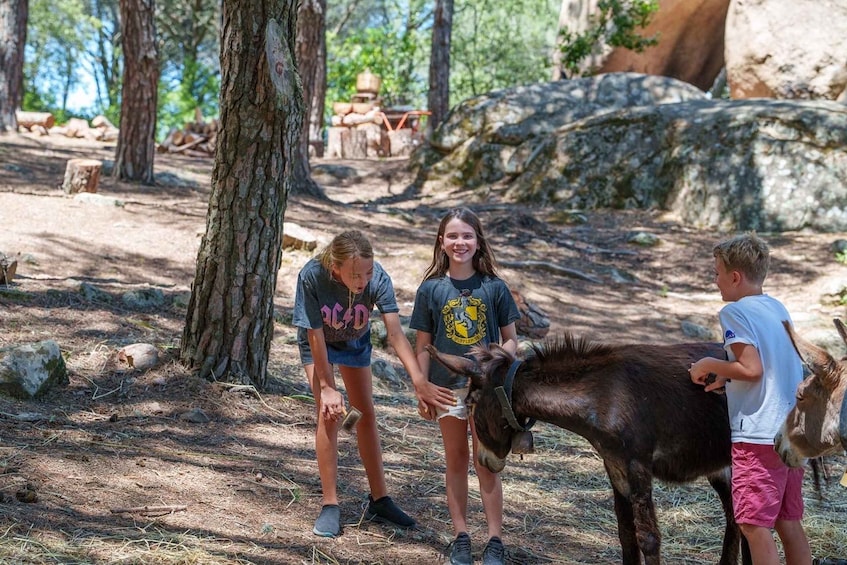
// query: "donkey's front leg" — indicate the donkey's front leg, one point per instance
point(644, 513)
point(630, 552)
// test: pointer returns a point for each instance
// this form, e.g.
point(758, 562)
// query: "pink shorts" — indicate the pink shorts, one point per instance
point(764, 489)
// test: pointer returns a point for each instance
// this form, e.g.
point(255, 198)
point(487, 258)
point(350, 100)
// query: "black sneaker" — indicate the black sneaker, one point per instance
point(494, 553)
point(460, 550)
point(384, 510)
point(328, 524)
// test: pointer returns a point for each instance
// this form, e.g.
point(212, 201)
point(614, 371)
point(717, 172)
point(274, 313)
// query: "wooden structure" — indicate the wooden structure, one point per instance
point(361, 128)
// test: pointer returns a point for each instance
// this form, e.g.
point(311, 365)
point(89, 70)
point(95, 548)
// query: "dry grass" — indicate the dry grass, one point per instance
point(115, 438)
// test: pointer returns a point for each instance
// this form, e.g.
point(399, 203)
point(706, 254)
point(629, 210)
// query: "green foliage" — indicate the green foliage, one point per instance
point(499, 44)
point(841, 257)
point(615, 24)
point(56, 34)
point(384, 51)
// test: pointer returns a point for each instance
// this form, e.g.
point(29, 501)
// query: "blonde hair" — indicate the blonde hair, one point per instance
point(747, 253)
point(344, 246)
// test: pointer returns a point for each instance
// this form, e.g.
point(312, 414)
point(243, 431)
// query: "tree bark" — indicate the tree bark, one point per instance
point(137, 138)
point(439, 64)
point(229, 323)
point(311, 62)
point(13, 18)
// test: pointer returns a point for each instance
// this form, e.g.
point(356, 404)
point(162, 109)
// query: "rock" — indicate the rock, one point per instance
point(139, 356)
point(762, 165)
point(29, 370)
point(195, 416)
point(690, 48)
point(787, 49)
point(143, 299)
point(533, 322)
point(296, 237)
point(387, 373)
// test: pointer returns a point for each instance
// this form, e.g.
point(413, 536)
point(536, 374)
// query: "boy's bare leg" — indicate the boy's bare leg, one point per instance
point(762, 545)
point(794, 542)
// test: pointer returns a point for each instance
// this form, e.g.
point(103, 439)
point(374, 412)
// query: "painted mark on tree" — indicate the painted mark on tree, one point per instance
point(279, 59)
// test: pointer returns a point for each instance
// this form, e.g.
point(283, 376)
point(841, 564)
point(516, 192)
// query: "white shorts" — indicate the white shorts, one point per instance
point(460, 409)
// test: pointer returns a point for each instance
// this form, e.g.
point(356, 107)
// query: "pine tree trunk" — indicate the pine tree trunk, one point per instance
point(13, 18)
point(137, 138)
point(311, 63)
point(229, 324)
point(439, 64)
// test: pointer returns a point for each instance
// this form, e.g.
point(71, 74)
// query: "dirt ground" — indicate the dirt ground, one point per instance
point(100, 453)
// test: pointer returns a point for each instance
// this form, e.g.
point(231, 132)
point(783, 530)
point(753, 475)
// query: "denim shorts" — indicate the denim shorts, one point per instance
point(353, 353)
point(460, 409)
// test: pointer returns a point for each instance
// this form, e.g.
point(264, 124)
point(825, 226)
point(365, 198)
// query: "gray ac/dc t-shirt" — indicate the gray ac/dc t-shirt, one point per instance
point(321, 301)
point(459, 314)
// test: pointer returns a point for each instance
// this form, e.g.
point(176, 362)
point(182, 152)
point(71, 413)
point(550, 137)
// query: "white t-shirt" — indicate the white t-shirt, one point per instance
point(757, 410)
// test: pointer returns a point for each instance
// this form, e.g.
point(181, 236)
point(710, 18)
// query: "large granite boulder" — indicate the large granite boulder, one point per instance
point(787, 49)
point(690, 47)
point(633, 141)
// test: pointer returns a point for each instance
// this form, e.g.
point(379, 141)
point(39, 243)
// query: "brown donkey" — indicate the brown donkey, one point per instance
point(817, 425)
point(634, 403)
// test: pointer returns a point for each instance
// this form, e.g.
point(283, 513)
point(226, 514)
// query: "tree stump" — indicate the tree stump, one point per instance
point(401, 142)
point(82, 175)
point(354, 144)
point(333, 142)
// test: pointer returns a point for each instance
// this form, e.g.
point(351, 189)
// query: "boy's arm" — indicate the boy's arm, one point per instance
point(746, 367)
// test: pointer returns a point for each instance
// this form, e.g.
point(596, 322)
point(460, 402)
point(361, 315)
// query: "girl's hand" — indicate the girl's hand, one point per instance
point(332, 404)
point(426, 411)
point(435, 396)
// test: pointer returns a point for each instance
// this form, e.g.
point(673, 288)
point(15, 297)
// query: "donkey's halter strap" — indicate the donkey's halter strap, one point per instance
point(504, 394)
point(842, 423)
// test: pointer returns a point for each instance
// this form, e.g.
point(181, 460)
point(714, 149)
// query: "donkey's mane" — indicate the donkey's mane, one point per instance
point(551, 352)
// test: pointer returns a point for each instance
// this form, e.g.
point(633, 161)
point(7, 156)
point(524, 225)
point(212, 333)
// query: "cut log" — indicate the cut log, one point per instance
point(401, 142)
point(77, 127)
point(82, 175)
point(333, 142)
point(30, 119)
point(354, 144)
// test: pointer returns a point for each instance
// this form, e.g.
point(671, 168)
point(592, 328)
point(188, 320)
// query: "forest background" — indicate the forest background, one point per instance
point(73, 62)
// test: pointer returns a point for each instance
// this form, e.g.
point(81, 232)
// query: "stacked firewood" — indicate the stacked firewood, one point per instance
point(196, 138)
point(100, 128)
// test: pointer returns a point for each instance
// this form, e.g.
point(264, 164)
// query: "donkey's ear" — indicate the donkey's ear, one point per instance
point(819, 361)
point(465, 366)
point(842, 329)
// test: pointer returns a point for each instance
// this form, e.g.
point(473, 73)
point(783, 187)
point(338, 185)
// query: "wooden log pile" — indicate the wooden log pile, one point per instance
point(197, 138)
point(100, 129)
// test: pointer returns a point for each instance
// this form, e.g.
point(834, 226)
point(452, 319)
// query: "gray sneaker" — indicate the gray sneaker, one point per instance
point(460, 550)
point(328, 524)
point(494, 553)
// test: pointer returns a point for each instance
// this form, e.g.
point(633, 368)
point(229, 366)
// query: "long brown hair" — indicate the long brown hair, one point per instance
point(483, 260)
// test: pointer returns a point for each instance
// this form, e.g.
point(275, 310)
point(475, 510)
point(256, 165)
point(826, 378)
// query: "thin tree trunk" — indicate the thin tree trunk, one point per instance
point(137, 138)
point(229, 323)
point(311, 62)
point(439, 64)
point(13, 19)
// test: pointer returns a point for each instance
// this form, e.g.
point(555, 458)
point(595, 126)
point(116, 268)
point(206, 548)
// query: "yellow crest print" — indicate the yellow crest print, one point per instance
point(464, 320)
